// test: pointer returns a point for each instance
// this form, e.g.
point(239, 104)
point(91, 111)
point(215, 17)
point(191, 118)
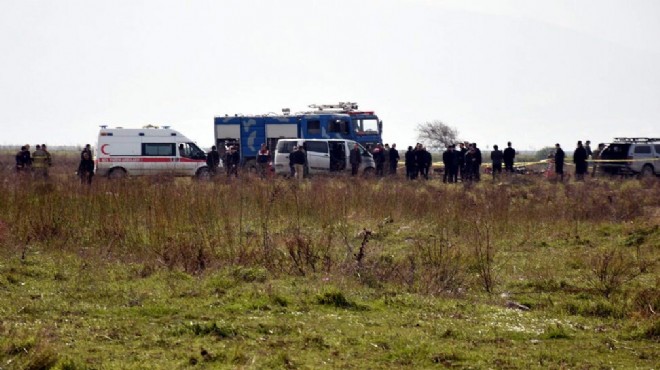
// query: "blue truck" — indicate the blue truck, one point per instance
point(324, 121)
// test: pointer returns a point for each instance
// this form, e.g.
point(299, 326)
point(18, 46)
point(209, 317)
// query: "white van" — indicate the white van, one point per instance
point(323, 155)
point(148, 151)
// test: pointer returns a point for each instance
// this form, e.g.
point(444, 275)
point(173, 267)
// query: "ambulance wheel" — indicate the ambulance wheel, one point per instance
point(203, 174)
point(117, 173)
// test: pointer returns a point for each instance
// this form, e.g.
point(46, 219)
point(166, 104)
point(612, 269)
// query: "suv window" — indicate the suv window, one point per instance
point(615, 151)
point(316, 146)
point(285, 146)
point(158, 149)
point(657, 149)
point(643, 149)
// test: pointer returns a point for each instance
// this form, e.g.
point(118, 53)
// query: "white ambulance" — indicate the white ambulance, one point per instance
point(148, 151)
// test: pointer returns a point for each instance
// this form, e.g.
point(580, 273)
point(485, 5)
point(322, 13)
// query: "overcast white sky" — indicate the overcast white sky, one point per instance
point(533, 72)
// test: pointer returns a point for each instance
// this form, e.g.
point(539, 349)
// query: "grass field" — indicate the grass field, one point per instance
point(331, 273)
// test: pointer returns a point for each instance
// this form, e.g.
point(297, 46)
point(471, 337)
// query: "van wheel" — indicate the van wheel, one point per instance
point(117, 173)
point(647, 171)
point(203, 174)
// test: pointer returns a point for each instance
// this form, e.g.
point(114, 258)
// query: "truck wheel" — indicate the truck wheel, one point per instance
point(117, 173)
point(647, 171)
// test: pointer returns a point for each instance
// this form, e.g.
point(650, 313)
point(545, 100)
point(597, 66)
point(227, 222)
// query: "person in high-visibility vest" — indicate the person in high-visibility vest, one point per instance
point(40, 163)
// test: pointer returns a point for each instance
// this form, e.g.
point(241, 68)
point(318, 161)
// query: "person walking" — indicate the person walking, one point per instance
point(355, 159)
point(40, 163)
point(213, 160)
point(394, 159)
point(298, 159)
point(86, 149)
point(263, 160)
point(508, 156)
point(411, 164)
point(559, 162)
point(580, 160)
point(496, 157)
point(86, 168)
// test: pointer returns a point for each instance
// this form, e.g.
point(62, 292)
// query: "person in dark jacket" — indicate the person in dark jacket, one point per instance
point(508, 156)
point(355, 158)
point(21, 162)
point(411, 164)
point(496, 157)
point(461, 160)
point(580, 160)
point(379, 159)
point(424, 160)
point(213, 160)
point(476, 168)
point(450, 160)
point(559, 162)
point(233, 161)
point(298, 159)
point(86, 168)
point(394, 159)
point(470, 163)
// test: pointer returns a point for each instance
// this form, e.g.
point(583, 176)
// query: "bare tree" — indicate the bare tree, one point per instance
point(436, 135)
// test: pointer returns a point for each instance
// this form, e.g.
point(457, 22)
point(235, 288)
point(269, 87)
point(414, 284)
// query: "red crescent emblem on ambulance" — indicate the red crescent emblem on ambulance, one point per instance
point(103, 149)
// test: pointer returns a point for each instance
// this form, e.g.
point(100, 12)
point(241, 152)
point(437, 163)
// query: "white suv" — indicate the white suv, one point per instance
point(632, 156)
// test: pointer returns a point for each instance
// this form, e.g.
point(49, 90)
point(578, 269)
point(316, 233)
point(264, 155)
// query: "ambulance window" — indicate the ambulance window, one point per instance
point(313, 127)
point(158, 149)
point(317, 146)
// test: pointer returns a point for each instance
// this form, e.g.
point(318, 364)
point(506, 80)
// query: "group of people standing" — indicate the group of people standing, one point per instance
point(581, 154)
point(36, 163)
point(465, 162)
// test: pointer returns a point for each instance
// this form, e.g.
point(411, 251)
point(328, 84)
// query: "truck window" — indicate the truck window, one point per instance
point(313, 127)
point(338, 125)
point(158, 149)
point(643, 149)
point(317, 146)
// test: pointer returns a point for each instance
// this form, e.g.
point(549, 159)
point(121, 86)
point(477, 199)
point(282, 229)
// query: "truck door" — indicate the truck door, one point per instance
point(318, 156)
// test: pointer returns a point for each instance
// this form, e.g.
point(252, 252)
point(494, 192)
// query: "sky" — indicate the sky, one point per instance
point(531, 72)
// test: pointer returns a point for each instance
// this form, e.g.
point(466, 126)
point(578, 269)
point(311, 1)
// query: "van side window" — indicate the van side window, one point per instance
point(285, 147)
point(158, 149)
point(643, 149)
point(317, 146)
point(313, 127)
